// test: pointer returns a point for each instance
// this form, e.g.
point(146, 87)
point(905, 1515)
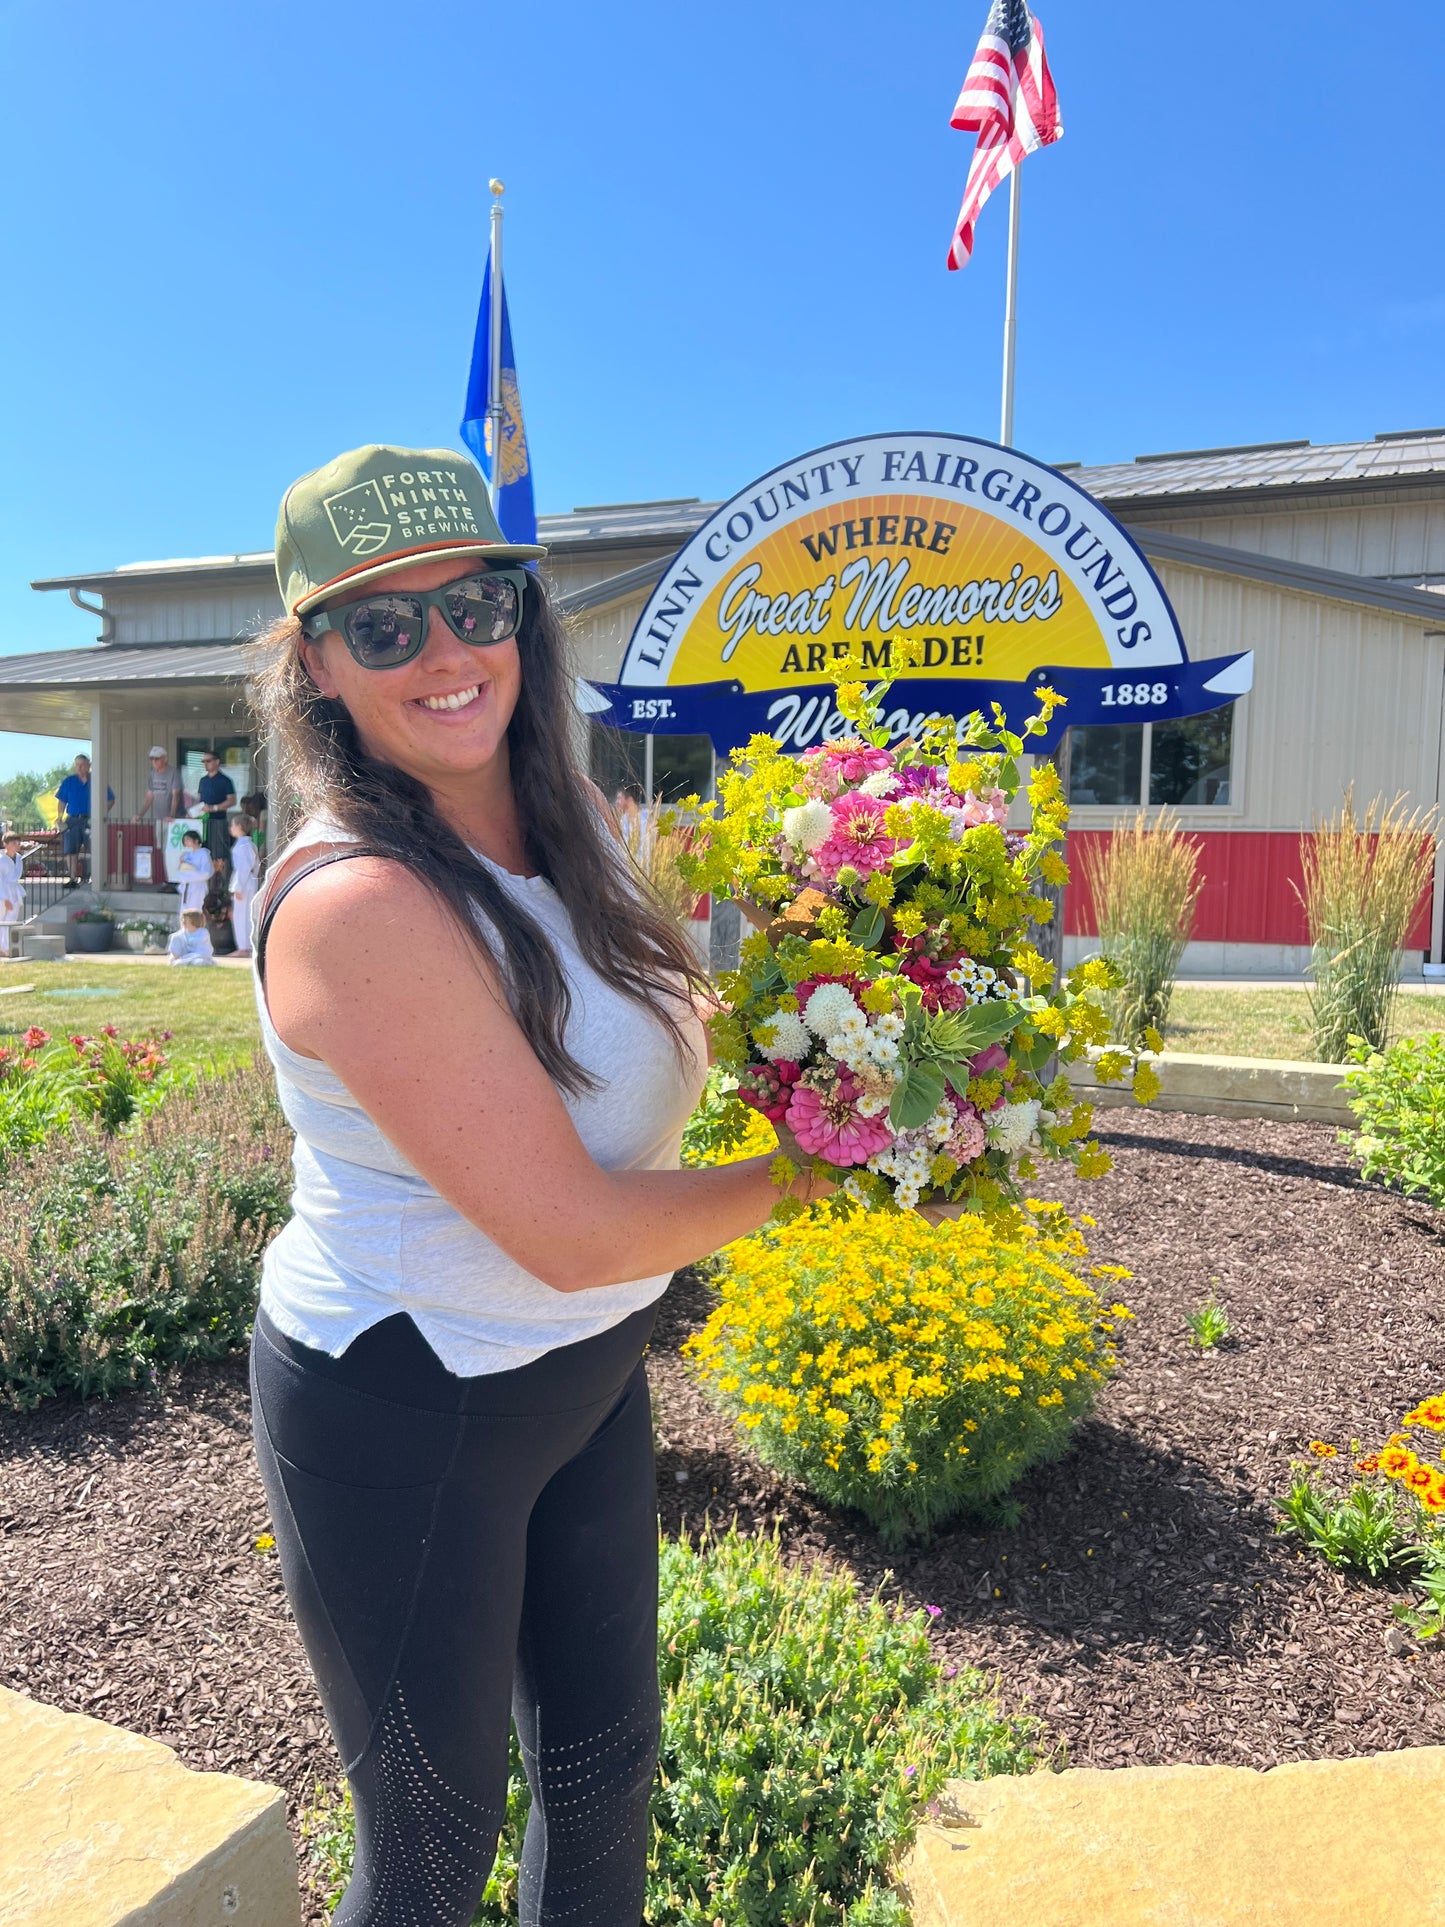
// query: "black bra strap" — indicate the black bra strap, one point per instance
point(273, 903)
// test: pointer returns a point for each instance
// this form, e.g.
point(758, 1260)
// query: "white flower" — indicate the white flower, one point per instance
point(1012, 1125)
point(880, 784)
point(889, 1025)
point(808, 826)
point(783, 1038)
point(828, 1006)
point(853, 1025)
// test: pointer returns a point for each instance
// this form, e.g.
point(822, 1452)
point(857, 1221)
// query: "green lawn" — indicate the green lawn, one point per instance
point(212, 1013)
point(1270, 1023)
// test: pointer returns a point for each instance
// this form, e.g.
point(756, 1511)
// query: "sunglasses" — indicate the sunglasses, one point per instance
point(383, 631)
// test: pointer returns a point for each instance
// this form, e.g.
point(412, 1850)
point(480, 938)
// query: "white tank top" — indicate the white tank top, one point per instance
point(370, 1237)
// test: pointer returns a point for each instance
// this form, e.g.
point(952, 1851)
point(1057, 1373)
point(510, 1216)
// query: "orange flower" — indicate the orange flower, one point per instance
point(1420, 1478)
point(1396, 1461)
point(1434, 1499)
point(1321, 1450)
point(1429, 1412)
point(1370, 1463)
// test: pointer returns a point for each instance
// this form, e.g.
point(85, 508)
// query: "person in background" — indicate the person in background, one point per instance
point(73, 795)
point(217, 794)
point(191, 944)
point(196, 870)
point(255, 805)
point(163, 787)
point(12, 890)
point(245, 872)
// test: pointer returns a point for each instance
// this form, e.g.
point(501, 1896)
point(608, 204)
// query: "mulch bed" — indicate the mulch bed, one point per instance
point(1145, 1606)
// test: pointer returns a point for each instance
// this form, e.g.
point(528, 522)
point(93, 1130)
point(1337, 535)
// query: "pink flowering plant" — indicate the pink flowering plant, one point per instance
point(890, 1011)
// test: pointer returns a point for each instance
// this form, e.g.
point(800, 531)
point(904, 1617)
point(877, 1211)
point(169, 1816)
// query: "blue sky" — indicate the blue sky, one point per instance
point(247, 237)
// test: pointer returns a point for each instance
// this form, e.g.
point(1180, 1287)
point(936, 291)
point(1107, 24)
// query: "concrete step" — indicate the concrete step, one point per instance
point(1317, 1843)
point(40, 946)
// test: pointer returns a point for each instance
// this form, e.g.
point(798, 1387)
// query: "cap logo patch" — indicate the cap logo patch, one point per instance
point(359, 519)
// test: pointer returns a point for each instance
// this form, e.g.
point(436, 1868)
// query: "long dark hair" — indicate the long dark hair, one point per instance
point(320, 767)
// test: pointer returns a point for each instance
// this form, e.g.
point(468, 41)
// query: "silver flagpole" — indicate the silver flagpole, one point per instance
point(496, 408)
point(1010, 311)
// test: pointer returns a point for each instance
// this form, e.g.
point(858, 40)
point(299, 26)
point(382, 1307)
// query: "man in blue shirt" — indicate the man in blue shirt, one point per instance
point(217, 793)
point(73, 795)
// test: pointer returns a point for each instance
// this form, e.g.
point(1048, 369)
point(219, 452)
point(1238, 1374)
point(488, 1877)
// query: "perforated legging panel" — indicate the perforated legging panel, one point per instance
point(507, 1567)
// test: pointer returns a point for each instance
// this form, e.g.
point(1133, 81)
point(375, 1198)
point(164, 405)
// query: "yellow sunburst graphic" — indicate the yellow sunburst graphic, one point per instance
point(978, 598)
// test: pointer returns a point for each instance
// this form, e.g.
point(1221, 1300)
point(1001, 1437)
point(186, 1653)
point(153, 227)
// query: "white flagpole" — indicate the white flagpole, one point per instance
point(496, 409)
point(1010, 311)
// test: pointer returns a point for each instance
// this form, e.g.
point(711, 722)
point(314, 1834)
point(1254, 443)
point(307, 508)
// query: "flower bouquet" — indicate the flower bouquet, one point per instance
point(890, 1011)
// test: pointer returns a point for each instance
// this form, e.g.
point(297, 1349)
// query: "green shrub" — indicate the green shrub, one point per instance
point(910, 1370)
point(804, 1730)
point(1366, 1529)
point(121, 1256)
point(1399, 1097)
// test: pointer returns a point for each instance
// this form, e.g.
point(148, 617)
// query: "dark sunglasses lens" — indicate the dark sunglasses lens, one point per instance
point(385, 629)
point(484, 608)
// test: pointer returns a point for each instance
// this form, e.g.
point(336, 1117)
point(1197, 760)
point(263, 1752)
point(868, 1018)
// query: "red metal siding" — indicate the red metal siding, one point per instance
point(1248, 894)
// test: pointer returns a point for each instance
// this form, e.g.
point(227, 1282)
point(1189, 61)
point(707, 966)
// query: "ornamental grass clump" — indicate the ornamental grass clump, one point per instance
point(1144, 882)
point(655, 842)
point(912, 1371)
point(804, 1732)
point(1363, 883)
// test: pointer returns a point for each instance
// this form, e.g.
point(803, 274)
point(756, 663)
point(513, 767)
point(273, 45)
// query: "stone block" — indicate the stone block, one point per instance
point(101, 1828)
point(1230, 1087)
point(1322, 1843)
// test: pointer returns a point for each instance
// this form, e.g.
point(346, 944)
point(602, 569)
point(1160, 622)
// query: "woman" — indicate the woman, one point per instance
point(484, 1039)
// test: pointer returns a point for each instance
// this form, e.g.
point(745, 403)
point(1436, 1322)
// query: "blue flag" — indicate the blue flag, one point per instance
point(512, 484)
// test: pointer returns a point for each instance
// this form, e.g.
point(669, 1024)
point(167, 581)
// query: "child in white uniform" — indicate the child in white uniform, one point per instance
point(194, 866)
point(192, 942)
point(12, 890)
point(245, 873)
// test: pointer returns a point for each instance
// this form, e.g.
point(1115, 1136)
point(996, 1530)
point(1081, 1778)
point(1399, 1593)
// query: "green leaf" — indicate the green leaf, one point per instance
point(867, 926)
point(918, 1094)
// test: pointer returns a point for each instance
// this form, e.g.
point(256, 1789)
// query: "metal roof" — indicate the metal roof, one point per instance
point(1163, 545)
point(1299, 467)
point(218, 662)
point(1411, 458)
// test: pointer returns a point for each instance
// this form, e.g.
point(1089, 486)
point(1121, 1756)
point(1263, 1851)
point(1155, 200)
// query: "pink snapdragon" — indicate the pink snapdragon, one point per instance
point(859, 838)
point(824, 1117)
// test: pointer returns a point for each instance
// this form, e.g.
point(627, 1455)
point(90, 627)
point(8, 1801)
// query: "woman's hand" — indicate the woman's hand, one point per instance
point(811, 1184)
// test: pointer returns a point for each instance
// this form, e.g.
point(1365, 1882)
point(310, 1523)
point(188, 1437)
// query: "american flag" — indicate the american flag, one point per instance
point(1008, 99)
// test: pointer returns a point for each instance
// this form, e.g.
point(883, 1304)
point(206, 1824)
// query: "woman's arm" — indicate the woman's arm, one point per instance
point(367, 971)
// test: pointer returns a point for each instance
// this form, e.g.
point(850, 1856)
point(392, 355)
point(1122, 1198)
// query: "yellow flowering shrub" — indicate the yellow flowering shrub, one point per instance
point(911, 1370)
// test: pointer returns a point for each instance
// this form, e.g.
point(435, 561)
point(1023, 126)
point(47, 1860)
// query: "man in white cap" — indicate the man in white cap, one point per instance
point(163, 786)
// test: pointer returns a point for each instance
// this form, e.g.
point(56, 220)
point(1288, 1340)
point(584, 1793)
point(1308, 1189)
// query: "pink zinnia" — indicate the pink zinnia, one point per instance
point(828, 1126)
point(858, 838)
point(853, 761)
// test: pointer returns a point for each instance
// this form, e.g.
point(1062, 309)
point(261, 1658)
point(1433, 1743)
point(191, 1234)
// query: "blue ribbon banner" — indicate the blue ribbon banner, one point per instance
point(802, 717)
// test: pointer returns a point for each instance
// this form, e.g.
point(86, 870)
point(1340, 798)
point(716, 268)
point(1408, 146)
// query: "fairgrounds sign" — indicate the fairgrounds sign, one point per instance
point(1000, 574)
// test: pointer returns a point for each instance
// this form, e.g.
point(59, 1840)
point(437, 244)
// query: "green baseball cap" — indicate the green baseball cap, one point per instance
point(375, 509)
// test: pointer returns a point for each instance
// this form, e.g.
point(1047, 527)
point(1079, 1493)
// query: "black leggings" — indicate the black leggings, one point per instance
point(458, 1552)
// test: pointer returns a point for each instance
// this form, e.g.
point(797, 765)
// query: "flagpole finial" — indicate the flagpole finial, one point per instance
point(496, 186)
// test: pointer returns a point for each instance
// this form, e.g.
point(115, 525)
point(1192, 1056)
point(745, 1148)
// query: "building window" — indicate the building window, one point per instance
point(1189, 759)
point(1186, 762)
point(681, 765)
